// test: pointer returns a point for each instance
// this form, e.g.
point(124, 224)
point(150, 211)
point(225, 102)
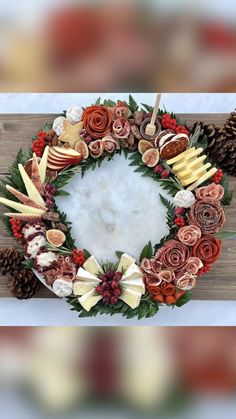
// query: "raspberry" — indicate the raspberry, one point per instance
point(206, 268)
point(179, 211)
point(165, 174)
point(179, 221)
point(78, 257)
point(217, 176)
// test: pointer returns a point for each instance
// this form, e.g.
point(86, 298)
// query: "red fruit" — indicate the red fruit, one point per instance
point(179, 211)
point(118, 275)
point(117, 292)
point(158, 169)
point(165, 174)
point(179, 221)
point(78, 257)
point(114, 300)
point(114, 284)
point(217, 176)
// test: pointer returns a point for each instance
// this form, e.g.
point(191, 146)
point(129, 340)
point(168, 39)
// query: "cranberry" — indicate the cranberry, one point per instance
point(117, 276)
point(114, 284)
point(114, 300)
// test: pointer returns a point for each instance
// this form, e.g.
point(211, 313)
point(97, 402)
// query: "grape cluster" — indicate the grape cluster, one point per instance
point(109, 287)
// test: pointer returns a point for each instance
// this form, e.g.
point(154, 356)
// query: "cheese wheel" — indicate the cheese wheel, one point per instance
point(202, 179)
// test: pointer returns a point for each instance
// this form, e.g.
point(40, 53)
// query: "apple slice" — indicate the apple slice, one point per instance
point(65, 151)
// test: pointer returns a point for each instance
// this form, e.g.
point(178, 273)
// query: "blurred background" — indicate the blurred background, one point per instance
point(126, 45)
point(118, 372)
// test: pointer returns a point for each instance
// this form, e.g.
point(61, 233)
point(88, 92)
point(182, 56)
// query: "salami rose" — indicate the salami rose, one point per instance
point(213, 191)
point(110, 144)
point(96, 148)
point(193, 265)
point(166, 276)
point(208, 249)
point(189, 234)
point(173, 255)
point(168, 289)
point(151, 268)
point(121, 110)
point(186, 282)
point(208, 215)
point(97, 121)
point(121, 128)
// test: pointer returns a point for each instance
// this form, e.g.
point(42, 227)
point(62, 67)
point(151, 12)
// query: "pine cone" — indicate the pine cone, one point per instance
point(23, 284)
point(10, 260)
point(215, 136)
point(230, 126)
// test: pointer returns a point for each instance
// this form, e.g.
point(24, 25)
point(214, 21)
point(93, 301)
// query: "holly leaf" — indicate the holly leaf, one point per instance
point(28, 263)
point(86, 253)
point(148, 108)
point(184, 299)
point(224, 235)
point(227, 198)
point(119, 254)
point(109, 103)
point(147, 252)
point(98, 101)
point(133, 106)
point(62, 193)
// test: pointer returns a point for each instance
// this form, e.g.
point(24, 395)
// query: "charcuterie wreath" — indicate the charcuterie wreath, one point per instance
point(80, 139)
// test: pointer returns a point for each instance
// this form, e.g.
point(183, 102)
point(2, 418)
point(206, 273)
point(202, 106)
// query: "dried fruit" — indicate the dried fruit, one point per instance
point(143, 146)
point(82, 148)
point(151, 157)
point(55, 237)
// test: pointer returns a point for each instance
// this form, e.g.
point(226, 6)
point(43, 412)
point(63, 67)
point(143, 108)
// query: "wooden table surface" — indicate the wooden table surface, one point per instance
point(16, 131)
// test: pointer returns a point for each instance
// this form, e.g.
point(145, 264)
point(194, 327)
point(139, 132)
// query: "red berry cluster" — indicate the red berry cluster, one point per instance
point(204, 270)
point(179, 219)
point(170, 123)
point(78, 257)
point(16, 229)
point(164, 173)
point(38, 145)
point(109, 286)
point(217, 176)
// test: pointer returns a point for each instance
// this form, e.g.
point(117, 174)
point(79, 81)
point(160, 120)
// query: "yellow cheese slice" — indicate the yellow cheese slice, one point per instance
point(21, 207)
point(43, 164)
point(82, 287)
point(191, 166)
point(84, 275)
point(181, 156)
point(131, 297)
point(89, 300)
point(92, 266)
point(32, 191)
point(134, 284)
point(183, 163)
point(125, 262)
point(196, 174)
point(202, 179)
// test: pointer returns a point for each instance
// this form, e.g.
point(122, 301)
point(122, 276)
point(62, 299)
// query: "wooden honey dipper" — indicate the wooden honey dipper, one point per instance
point(151, 127)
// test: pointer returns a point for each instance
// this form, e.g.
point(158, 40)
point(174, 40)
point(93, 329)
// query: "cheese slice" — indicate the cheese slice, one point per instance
point(196, 174)
point(43, 164)
point(32, 191)
point(191, 165)
point(131, 297)
point(181, 156)
point(21, 207)
point(82, 287)
point(134, 284)
point(89, 300)
point(92, 266)
point(202, 179)
point(133, 272)
point(84, 275)
point(125, 262)
point(183, 163)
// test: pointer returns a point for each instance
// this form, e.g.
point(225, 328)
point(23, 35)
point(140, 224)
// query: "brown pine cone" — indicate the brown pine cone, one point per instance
point(10, 260)
point(23, 284)
point(230, 126)
point(215, 137)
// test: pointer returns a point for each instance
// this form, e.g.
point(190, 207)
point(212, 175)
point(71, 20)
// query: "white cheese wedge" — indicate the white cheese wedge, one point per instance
point(82, 287)
point(125, 262)
point(43, 164)
point(131, 297)
point(89, 300)
point(133, 272)
point(32, 191)
point(134, 284)
point(92, 266)
point(84, 275)
point(21, 207)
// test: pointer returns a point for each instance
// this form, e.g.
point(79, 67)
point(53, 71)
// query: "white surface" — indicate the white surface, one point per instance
point(114, 209)
point(56, 312)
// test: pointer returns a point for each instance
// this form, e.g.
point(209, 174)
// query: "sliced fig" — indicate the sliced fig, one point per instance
point(151, 157)
point(144, 145)
point(55, 237)
point(82, 148)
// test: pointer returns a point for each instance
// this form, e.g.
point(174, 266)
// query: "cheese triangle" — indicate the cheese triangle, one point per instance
point(21, 207)
point(133, 272)
point(125, 262)
point(43, 165)
point(134, 284)
point(82, 287)
point(131, 297)
point(32, 191)
point(89, 300)
point(92, 266)
point(84, 275)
